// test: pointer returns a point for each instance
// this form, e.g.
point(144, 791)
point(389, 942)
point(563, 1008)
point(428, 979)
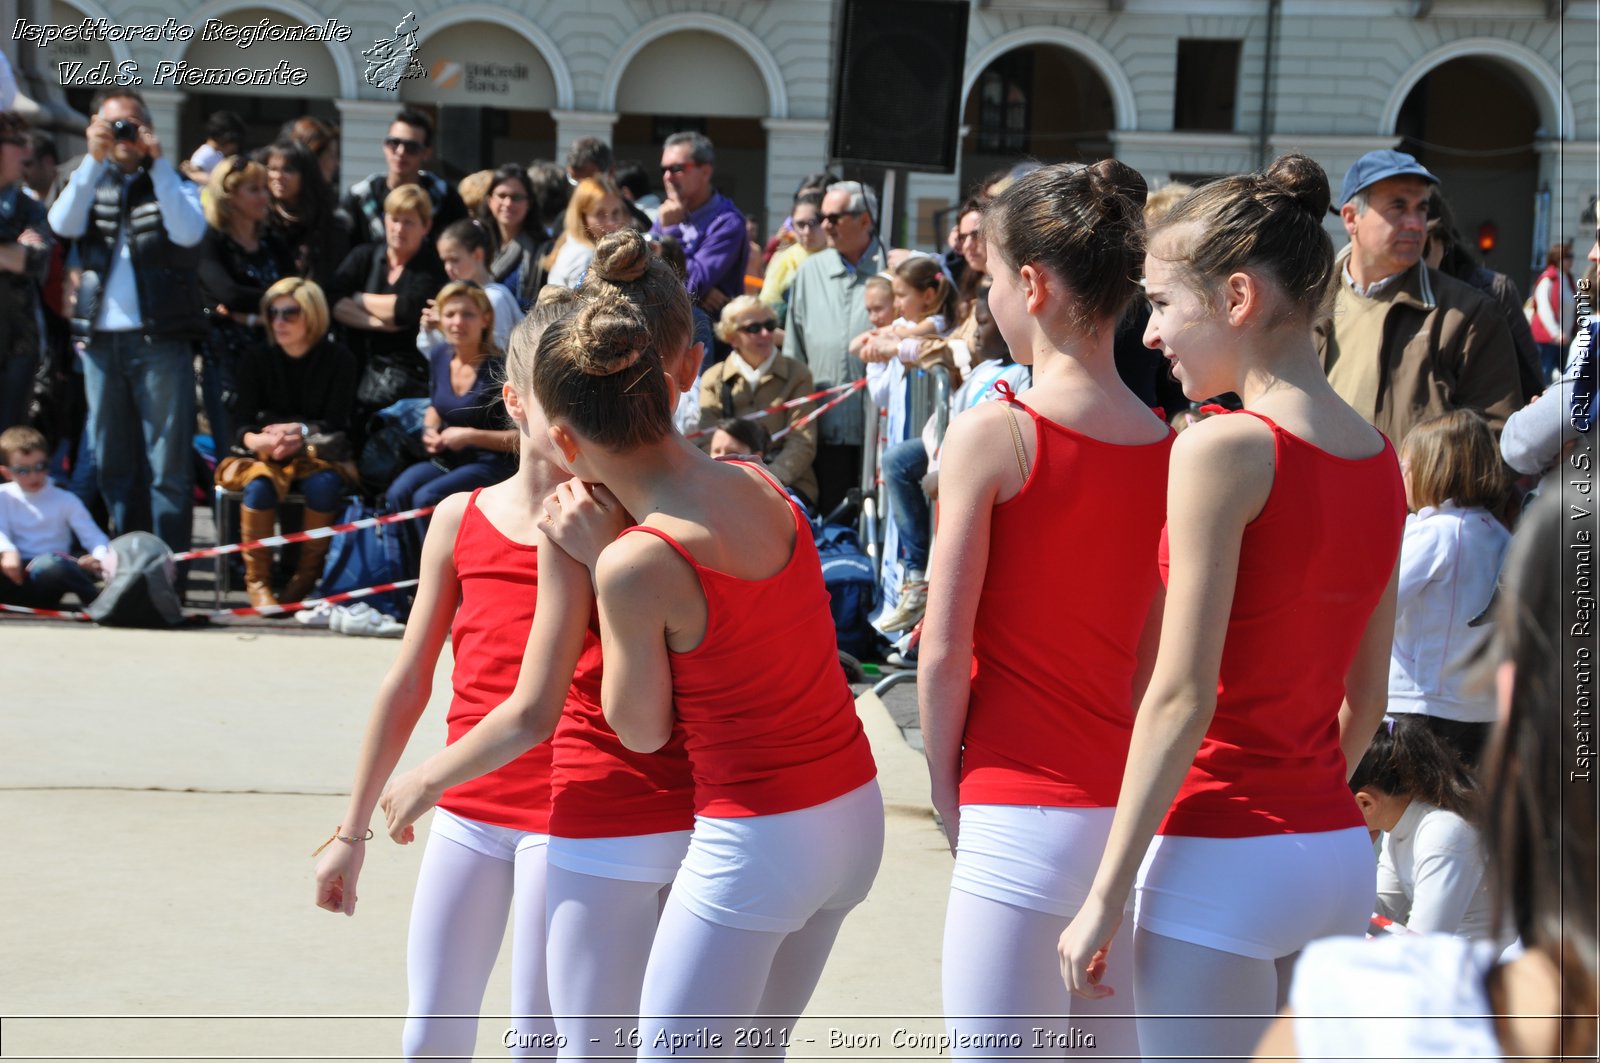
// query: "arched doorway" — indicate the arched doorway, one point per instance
point(725, 98)
point(493, 92)
point(1473, 122)
point(1040, 101)
point(264, 108)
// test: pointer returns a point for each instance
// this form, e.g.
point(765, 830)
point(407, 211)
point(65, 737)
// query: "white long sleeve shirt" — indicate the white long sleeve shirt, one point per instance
point(1449, 560)
point(1431, 874)
point(181, 216)
point(45, 521)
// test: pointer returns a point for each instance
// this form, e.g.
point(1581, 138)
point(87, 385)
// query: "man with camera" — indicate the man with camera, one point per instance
point(138, 227)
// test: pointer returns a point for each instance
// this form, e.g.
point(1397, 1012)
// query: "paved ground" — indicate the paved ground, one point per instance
point(162, 791)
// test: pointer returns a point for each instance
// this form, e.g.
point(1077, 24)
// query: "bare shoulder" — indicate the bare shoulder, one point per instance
point(981, 436)
point(1223, 462)
point(447, 516)
point(638, 563)
point(1237, 439)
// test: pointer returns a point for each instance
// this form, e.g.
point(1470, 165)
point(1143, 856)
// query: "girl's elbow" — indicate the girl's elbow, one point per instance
point(643, 739)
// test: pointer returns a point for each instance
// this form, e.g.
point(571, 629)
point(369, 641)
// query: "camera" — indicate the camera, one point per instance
point(125, 130)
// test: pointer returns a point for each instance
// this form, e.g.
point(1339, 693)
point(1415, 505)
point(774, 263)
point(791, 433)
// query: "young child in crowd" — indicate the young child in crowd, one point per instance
point(1414, 789)
point(38, 522)
point(1449, 561)
point(738, 438)
point(464, 251)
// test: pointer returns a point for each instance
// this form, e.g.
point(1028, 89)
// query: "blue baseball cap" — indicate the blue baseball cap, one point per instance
point(1377, 166)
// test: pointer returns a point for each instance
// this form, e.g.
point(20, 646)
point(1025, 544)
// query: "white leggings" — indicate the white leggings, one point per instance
point(1021, 873)
point(600, 932)
point(458, 919)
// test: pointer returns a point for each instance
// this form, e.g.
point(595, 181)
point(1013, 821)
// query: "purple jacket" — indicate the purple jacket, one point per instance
point(715, 246)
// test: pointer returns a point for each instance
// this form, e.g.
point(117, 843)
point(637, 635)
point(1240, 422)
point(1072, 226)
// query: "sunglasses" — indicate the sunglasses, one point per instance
point(413, 147)
point(284, 313)
point(759, 327)
point(812, 224)
point(835, 219)
point(677, 168)
point(25, 470)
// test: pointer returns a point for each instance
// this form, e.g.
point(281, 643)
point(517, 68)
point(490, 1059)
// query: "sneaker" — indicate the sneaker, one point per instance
point(901, 659)
point(319, 615)
point(361, 619)
point(909, 609)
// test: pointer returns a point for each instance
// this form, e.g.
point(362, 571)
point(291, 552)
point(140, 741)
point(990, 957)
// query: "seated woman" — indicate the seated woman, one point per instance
point(239, 259)
point(594, 211)
point(378, 295)
point(754, 377)
point(293, 409)
point(465, 426)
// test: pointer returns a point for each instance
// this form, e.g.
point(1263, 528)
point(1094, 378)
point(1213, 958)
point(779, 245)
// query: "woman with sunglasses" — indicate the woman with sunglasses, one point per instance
point(805, 221)
point(298, 389)
point(239, 260)
point(754, 377)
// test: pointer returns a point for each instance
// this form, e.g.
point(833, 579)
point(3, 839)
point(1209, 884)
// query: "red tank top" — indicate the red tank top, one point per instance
point(770, 723)
point(1070, 578)
point(599, 788)
point(1312, 566)
point(499, 583)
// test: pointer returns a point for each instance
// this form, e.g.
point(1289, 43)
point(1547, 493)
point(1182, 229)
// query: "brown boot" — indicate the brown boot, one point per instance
point(312, 555)
point(258, 524)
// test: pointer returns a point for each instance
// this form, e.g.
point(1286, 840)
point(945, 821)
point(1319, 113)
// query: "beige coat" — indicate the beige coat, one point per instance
point(790, 460)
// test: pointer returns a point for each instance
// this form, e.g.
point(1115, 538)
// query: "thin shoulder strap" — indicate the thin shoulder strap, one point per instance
point(1009, 397)
point(669, 540)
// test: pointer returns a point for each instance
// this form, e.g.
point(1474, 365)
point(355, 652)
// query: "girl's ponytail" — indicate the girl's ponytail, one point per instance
point(1406, 759)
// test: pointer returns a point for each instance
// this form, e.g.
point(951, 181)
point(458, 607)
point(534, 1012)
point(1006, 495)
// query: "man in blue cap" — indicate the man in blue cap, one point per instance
point(1407, 342)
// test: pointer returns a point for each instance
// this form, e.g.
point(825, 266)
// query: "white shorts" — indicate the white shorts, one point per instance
point(1038, 857)
point(1264, 897)
point(501, 843)
point(636, 858)
point(775, 872)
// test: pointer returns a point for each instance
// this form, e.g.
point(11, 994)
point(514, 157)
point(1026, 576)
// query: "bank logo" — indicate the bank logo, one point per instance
point(447, 73)
point(395, 60)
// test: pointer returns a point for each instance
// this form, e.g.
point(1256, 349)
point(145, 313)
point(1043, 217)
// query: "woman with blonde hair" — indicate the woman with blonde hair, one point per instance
point(754, 377)
point(594, 210)
point(239, 260)
point(293, 410)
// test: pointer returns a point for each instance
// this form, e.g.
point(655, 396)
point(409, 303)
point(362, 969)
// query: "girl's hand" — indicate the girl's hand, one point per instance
point(404, 801)
point(947, 803)
point(1083, 947)
point(583, 519)
point(337, 870)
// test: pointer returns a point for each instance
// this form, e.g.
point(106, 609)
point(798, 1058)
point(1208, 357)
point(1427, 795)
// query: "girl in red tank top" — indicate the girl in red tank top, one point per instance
point(1283, 529)
point(1042, 585)
point(713, 618)
point(481, 573)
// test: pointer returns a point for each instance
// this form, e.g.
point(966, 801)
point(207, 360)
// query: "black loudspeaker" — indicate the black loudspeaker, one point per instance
point(897, 83)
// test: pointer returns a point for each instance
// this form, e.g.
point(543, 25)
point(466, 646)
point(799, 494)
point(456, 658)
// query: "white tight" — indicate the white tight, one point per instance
point(600, 931)
point(706, 981)
point(1202, 985)
point(1002, 978)
point(458, 920)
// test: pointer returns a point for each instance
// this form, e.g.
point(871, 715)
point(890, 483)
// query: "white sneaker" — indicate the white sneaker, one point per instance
point(319, 615)
point(361, 619)
point(909, 609)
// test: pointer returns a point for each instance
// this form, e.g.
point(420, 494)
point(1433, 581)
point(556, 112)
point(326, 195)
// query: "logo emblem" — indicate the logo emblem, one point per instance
point(395, 60)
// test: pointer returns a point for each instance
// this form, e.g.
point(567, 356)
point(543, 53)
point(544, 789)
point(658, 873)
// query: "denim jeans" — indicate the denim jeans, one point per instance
point(904, 466)
point(428, 484)
point(141, 426)
point(46, 578)
point(16, 388)
point(323, 492)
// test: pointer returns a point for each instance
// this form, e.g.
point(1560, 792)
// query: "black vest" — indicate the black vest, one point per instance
point(166, 275)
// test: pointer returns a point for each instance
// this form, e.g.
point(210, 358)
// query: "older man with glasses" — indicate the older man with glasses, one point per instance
point(408, 145)
point(826, 308)
point(706, 222)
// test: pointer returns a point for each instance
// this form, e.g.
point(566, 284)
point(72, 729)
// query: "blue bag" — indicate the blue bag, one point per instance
point(852, 585)
point(365, 558)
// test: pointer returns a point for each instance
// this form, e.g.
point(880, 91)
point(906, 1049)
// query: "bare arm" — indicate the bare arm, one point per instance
point(529, 715)
point(1220, 479)
point(974, 473)
point(352, 311)
point(401, 699)
point(1366, 683)
point(636, 589)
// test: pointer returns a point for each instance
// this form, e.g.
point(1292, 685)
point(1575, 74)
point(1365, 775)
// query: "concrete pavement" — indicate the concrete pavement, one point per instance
point(161, 794)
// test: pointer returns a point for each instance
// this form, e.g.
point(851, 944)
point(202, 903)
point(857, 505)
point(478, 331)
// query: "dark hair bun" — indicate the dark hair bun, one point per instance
point(621, 257)
point(1304, 181)
point(1111, 176)
point(610, 334)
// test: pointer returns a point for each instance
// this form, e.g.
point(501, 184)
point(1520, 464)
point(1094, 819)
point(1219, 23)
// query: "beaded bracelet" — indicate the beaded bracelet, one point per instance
point(337, 837)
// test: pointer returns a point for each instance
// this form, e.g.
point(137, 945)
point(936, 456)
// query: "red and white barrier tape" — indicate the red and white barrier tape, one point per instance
point(779, 407)
point(244, 610)
point(819, 411)
point(304, 536)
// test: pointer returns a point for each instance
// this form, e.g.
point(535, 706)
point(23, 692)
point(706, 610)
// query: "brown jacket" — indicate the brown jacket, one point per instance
point(791, 459)
point(1445, 347)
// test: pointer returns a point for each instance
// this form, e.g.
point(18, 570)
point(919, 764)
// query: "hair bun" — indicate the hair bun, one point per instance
point(611, 335)
point(621, 257)
point(1304, 181)
point(1115, 176)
